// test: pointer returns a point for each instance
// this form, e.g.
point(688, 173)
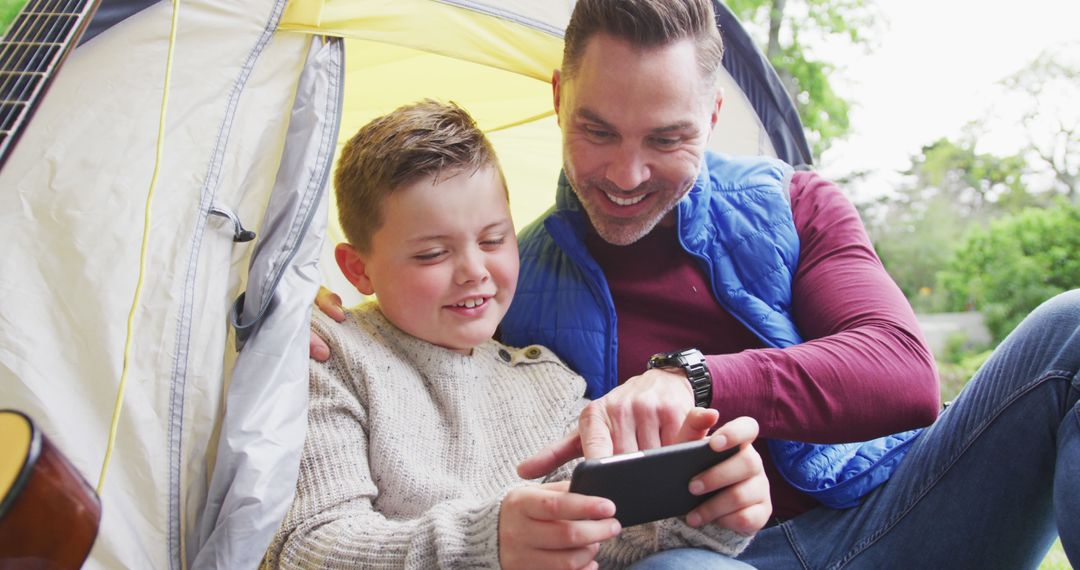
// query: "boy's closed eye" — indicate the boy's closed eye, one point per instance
point(429, 256)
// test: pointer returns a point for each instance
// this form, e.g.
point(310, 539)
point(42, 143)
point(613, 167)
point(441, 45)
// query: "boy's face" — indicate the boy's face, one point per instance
point(444, 264)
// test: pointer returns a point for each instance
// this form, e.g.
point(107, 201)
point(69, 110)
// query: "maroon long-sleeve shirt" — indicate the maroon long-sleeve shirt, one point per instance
point(863, 371)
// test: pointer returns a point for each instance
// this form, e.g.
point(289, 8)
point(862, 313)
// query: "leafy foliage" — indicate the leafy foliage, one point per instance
point(937, 236)
point(1049, 88)
point(949, 188)
point(1019, 261)
point(792, 29)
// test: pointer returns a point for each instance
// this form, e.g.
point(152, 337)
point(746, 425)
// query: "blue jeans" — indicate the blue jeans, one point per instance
point(988, 485)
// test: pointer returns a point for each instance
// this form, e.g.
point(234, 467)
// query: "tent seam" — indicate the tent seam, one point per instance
point(503, 14)
point(183, 332)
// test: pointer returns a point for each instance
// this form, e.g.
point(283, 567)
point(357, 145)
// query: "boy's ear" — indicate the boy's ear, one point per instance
point(352, 264)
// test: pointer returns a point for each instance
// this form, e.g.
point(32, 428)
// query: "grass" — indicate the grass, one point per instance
point(9, 9)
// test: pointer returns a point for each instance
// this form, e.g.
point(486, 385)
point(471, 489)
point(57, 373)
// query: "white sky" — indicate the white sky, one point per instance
point(935, 69)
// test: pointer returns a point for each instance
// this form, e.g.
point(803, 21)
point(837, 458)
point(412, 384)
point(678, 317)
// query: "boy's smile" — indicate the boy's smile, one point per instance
point(444, 262)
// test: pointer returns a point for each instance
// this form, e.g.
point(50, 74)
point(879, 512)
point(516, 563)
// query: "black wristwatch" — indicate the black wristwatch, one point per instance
point(693, 363)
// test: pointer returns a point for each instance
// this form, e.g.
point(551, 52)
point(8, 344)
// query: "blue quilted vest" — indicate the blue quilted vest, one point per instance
point(737, 220)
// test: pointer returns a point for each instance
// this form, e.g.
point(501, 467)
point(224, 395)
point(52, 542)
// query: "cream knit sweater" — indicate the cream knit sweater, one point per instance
point(411, 447)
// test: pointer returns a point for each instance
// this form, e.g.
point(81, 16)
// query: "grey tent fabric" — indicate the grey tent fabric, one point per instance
point(265, 421)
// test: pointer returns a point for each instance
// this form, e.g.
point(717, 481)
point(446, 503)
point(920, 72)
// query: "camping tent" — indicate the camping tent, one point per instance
point(263, 93)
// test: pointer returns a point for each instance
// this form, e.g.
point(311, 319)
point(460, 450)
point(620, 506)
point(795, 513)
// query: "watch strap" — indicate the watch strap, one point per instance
point(692, 361)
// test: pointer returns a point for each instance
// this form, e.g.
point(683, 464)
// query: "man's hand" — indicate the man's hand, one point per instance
point(545, 526)
point(646, 411)
point(743, 505)
point(330, 304)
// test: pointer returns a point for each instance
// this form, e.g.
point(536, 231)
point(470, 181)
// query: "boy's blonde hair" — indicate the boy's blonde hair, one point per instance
point(395, 150)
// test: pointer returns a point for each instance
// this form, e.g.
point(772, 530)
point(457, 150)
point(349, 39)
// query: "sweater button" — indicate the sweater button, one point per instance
point(503, 354)
point(532, 353)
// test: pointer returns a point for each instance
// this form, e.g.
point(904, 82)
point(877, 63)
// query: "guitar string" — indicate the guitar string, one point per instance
point(56, 16)
point(143, 250)
point(24, 54)
point(17, 30)
point(61, 17)
point(25, 35)
point(26, 31)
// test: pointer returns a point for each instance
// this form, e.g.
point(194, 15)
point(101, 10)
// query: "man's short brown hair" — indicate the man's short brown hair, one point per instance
point(397, 149)
point(645, 24)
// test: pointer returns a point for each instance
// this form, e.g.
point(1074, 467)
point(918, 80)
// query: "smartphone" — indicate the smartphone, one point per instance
point(648, 485)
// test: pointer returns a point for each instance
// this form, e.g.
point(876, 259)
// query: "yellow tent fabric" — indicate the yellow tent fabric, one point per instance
point(496, 68)
point(500, 70)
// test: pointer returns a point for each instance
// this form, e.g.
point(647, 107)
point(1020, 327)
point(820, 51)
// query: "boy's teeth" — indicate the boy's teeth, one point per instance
point(470, 303)
point(624, 201)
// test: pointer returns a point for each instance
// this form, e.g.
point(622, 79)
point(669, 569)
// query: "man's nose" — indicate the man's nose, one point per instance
point(628, 169)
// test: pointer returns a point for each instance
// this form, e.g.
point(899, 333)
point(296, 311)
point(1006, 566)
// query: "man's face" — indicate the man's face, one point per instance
point(634, 123)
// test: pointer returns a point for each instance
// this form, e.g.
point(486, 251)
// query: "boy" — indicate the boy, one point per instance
point(416, 422)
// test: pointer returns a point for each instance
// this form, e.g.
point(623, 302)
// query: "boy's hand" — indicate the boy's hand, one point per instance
point(545, 526)
point(743, 505)
point(330, 304)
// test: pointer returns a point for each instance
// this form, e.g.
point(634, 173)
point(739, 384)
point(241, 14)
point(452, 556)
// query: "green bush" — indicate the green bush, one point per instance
point(1010, 267)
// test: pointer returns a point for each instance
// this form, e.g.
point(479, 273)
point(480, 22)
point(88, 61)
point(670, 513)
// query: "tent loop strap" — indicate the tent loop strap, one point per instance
point(240, 233)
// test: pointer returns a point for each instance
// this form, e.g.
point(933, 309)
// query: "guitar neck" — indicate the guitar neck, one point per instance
point(33, 48)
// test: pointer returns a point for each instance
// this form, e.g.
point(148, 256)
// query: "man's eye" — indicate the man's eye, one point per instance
point(599, 134)
point(662, 142)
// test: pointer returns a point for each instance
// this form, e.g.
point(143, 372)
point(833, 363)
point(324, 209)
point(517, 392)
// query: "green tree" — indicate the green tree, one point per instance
point(949, 188)
point(1048, 89)
point(791, 30)
point(979, 184)
point(1007, 269)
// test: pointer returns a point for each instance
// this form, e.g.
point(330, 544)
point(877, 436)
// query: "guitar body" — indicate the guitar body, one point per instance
point(49, 514)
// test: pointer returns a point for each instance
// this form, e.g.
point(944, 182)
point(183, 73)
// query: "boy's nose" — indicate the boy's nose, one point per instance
point(627, 169)
point(471, 268)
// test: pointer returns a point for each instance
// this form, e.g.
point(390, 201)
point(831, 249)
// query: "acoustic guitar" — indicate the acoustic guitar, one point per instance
point(49, 514)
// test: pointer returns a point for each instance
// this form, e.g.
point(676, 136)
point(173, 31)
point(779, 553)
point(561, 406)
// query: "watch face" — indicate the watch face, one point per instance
point(692, 362)
point(665, 360)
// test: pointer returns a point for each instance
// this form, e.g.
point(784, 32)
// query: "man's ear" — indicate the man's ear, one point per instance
point(352, 264)
point(719, 102)
point(555, 92)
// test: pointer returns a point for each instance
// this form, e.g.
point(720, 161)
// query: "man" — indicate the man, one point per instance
point(656, 244)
